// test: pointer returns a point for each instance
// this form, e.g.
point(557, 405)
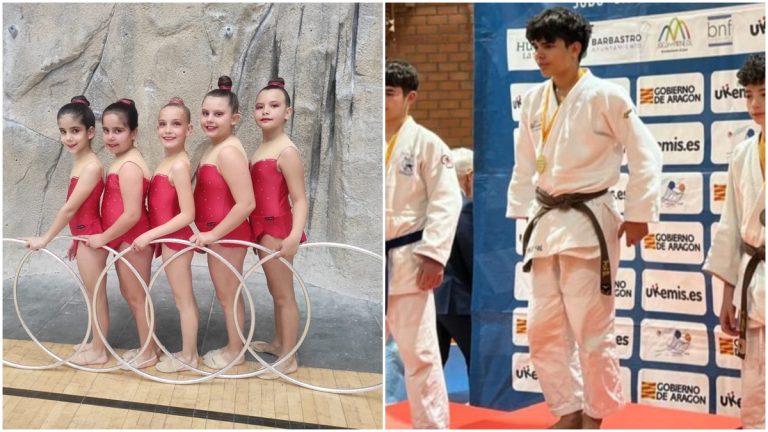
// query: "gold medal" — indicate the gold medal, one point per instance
point(541, 164)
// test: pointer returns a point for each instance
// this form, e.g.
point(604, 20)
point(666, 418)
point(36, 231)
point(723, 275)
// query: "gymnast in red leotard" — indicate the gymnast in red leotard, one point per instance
point(223, 200)
point(77, 127)
point(171, 210)
point(277, 173)
point(124, 216)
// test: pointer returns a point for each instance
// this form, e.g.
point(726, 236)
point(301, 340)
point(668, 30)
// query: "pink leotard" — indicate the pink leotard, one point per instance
point(213, 201)
point(272, 214)
point(164, 206)
point(86, 220)
point(112, 208)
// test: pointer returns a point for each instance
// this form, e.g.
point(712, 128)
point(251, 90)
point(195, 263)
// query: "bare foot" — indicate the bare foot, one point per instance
point(287, 368)
point(176, 364)
point(568, 421)
point(220, 358)
point(90, 357)
point(142, 362)
point(588, 422)
point(269, 348)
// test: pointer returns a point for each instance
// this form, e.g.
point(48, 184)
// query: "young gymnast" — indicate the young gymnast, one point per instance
point(171, 210)
point(77, 127)
point(277, 173)
point(124, 216)
point(223, 201)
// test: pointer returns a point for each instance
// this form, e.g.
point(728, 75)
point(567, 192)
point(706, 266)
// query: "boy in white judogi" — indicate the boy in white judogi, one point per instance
point(574, 130)
point(737, 254)
point(422, 202)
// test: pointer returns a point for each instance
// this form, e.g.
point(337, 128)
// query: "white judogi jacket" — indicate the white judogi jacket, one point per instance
point(422, 192)
point(739, 223)
point(596, 124)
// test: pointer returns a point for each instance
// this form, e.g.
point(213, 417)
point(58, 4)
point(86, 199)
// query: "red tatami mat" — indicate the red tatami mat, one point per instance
point(538, 417)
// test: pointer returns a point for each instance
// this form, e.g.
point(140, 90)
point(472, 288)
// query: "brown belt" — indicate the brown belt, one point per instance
point(577, 202)
point(757, 255)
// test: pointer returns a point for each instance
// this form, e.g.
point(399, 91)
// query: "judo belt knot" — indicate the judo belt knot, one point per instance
point(758, 252)
point(576, 201)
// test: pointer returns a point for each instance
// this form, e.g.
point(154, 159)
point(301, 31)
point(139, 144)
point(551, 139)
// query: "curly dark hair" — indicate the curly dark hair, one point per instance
point(753, 71)
point(559, 22)
point(402, 74)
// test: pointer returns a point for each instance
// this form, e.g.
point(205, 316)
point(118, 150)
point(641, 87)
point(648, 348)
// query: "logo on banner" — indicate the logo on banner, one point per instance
point(719, 30)
point(676, 242)
point(524, 377)
point(758, 28)
point(674, 342)
point(681, 143)
point(726, 345)
point(673, 195)
point(672, 242)
point(517, 102)
point(676, 292)
point(726, 92)
point(676, 94)
point(674, 37)
point(624, 289)
point(729, 396)
point(718, 192)
point(726, 135)
point(623, 332)
point(674, 389)
point(725, 353)
point(521, 326)
point(622, 42)
point(677, 343)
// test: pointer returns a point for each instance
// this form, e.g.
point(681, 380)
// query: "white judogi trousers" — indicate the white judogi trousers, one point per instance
point(753, 380)
point(411, 321)
point(571, 336)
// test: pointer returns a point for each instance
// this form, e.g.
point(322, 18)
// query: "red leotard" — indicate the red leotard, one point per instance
point(164, 206)
point(86, 220)
point(112, 208)
point(213, 201)
point(272, 214)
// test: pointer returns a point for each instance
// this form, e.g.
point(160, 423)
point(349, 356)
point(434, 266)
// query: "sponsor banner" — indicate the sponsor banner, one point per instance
point(727, 95)
point(718, 183)
point(674, 242)
point(725, 350)
point(624, 289)
point(520, 326)
point(675, 292)
point(674, 342)
point(670, 36)
point(680, 143)
point(619, 191)
point(720, 32)
point(728, 390)
point(622, 82)
point(624, 330)
point(726, 135)
point(683, 193)
point(669, 95)
point(625, 378)
point(523, 283)
point(516, 93)
point(524, 377)
point(673, 389)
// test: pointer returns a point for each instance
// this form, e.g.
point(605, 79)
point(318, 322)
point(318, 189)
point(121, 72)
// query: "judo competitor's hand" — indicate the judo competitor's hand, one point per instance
point(728, 321)
point(430, 273)
point(635, 231)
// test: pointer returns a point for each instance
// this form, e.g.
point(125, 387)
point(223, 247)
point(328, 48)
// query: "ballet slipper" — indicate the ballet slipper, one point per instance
point(286, 370)
point(83, 359)
point(174, 365)
point(214, 359)
point(141, 365)
point(264, 347)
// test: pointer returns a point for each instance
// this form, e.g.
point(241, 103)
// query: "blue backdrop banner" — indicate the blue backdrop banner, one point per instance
point(678, 63)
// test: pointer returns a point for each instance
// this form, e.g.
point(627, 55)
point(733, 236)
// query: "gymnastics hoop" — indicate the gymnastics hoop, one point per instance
point(301, 340)
point(59, 361)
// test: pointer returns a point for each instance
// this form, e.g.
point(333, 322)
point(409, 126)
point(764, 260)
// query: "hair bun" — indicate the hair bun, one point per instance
point(80, 100)
point(126, 101)
point(276, 82)
point(225, 83)
point(176, 101)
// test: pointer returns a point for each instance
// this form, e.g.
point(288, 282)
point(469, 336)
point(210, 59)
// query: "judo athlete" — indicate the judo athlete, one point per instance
point(574, 129)
point(422, 205)
point(737, 255)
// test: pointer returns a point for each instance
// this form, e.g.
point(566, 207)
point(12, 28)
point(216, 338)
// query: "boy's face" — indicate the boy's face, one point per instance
point(756, 103)
point(397, 103)
point(555, 58)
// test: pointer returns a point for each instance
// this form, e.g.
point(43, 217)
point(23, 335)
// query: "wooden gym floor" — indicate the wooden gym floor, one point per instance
point(66, 398)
